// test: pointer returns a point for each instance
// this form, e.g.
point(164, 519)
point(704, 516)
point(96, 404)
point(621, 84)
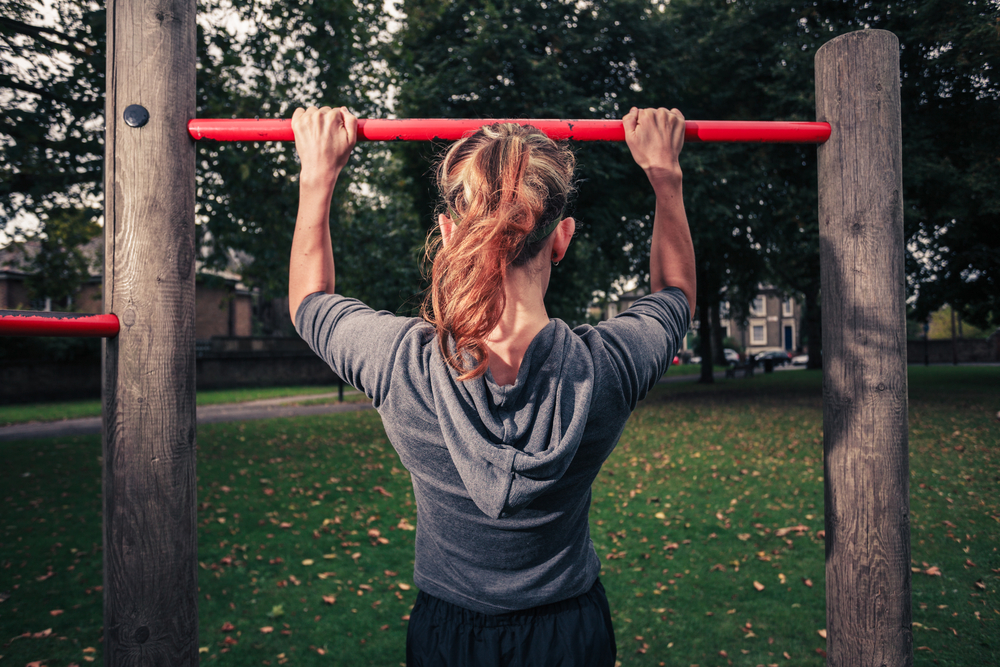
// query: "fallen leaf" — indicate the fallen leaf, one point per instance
point(933, 571)
point(267, 629)
point(404, 587)
point(405, 525)
point(782, 579)
point(55, 612)
point(759, 586)
point(787, 657)
point(321, 651)
point(90, 649)
point(329, 599)
point(385, 493)
point(202, 649)
point(44, 633)
point(229, 640)
point(228, 627)
point(808, 582)
point(980, 585)
point(285, 525)
point(743, 537)
point(781, 532)
point(308, 561)
point(822, 633)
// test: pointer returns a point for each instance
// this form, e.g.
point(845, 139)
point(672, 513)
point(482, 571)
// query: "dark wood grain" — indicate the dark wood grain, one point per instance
point(864, 352)
point(150, 540)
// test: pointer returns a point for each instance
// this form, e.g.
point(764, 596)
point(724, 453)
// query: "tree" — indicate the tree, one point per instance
point(60, 267)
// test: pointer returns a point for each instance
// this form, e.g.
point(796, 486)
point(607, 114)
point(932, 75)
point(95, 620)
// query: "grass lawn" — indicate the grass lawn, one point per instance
point(306, 540)
point(55, 411)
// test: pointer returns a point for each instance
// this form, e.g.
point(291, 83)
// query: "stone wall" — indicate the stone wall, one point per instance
point(221, 363)
point(968, 350)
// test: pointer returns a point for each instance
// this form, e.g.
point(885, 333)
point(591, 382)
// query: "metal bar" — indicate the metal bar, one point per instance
point(446, 129)
point(34, 323)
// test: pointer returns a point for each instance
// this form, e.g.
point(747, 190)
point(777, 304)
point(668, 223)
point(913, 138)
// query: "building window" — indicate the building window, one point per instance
point(758, 333)
point(758, 307)
point(787, 308)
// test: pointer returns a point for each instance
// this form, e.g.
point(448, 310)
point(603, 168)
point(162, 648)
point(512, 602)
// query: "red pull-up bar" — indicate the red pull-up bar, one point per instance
point(35, 323)
point(427, 129)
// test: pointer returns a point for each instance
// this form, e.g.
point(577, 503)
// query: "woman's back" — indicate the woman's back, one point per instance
point(501, 473)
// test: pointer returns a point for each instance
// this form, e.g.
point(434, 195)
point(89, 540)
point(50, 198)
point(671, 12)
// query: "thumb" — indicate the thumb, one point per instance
point(630, 121)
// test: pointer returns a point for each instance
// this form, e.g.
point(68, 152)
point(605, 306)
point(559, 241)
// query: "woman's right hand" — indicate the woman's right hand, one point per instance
point(655, 137)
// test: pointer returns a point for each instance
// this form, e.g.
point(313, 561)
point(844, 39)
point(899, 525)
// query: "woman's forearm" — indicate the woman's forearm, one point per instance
point(311, 267)
point(671, 256)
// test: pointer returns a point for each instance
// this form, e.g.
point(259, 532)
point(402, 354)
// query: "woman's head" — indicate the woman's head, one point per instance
point(504, 189)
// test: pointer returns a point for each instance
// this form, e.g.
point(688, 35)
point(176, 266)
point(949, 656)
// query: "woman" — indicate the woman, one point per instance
point(502, 416)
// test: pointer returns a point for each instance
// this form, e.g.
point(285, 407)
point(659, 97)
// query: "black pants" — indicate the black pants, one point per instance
point(562, 634)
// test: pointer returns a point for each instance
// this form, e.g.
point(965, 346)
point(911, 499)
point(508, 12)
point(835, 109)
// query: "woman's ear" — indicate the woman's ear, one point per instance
point(447, 229)
point(561, 238)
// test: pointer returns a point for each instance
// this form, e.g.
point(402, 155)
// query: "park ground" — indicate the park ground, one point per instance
point(708, 520)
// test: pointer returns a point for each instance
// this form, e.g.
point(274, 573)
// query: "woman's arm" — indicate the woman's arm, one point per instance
point(656, 137)
point(323, 139)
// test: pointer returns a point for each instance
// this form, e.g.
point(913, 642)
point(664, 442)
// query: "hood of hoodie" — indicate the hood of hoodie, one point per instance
point(512, 443)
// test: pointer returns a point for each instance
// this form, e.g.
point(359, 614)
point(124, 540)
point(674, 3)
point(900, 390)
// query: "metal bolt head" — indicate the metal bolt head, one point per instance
point(136, 115)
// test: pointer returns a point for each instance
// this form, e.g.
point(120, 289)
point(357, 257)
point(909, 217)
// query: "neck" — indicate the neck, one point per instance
point(523, 317)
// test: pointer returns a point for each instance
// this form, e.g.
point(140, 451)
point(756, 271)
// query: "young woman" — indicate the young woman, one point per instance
point(502, 416)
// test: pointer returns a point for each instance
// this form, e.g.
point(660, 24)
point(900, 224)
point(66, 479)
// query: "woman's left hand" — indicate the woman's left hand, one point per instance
point(324, 139)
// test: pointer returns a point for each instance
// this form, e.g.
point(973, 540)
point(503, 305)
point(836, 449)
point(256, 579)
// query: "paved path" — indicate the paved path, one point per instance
point(267, 408)
point(207, 414)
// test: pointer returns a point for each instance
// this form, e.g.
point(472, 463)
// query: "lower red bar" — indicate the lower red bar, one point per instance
point(33, 323)
point(428, 129)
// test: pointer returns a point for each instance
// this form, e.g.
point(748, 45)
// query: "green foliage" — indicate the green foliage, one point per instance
point(298, 54)
point(751, 206)
point(60, 267)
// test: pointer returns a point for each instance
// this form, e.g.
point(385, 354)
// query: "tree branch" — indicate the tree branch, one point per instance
point(37, 32)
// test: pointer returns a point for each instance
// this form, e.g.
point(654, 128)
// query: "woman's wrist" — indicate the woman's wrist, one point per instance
point(317, 182)
point(664, 179)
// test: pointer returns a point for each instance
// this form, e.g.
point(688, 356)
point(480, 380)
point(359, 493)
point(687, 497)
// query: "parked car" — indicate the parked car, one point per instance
point(800, 360)
point(731, 356)
point(777, 357)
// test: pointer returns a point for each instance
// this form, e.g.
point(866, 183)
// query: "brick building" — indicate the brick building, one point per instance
point(223, 305)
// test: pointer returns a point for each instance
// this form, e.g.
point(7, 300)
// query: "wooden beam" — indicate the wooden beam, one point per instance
point(864, 352)
point(150, 540)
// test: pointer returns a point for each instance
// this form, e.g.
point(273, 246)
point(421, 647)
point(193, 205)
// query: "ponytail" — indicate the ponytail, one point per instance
point(505, 188)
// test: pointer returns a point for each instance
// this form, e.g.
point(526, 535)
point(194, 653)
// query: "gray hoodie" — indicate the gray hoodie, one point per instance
point(501, 474)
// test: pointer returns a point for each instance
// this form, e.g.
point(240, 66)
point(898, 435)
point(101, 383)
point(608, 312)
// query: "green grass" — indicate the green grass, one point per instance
point(685, 519)
point(44, 412)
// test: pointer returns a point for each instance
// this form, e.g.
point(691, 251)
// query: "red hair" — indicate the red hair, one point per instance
point(502, 187)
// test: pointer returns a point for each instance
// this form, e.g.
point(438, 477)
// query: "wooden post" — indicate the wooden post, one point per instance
point(150, 546)
point(864, 352)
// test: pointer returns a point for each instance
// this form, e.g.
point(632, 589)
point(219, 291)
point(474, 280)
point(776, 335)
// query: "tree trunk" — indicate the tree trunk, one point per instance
point(814, 324)
point(718, 356)
point(866, 461)
point(705, 337)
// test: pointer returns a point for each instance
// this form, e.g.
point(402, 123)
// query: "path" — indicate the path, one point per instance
point(267, 408)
